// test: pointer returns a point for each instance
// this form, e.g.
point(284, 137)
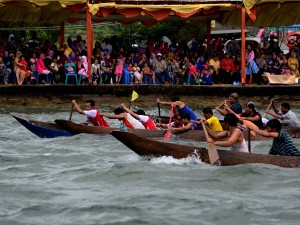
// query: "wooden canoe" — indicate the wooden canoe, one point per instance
point(198, 135)
point(151, 148)
point(42, 129)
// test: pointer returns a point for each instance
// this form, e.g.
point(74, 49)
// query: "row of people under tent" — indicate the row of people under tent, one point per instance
point(189, 72)
point(185, 119)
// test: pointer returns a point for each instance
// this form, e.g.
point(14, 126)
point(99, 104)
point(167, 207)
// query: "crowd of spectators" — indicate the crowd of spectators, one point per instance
point(187, 62)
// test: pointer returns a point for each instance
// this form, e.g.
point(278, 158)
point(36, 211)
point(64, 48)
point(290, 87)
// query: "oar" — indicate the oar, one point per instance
point(267, 109)
point(214, 110)
point(212, 151)
point(158, 107)
point(168, 134)
point(71, 112)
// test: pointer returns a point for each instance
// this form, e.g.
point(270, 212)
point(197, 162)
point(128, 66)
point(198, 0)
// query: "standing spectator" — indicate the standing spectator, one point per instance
point(9, 62)
point(32, 44)
point(96, 72)
point(119, 68)
point(106, 46)
point(214, 64)
point(3, 72)
point(251, 67)
point(20, 74)
point(233, 48)
point(107, 69)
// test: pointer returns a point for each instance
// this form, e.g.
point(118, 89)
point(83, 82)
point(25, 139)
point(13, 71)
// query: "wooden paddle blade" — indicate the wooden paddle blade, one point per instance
point(168, 134)
point(213, 155)
point(248, 124)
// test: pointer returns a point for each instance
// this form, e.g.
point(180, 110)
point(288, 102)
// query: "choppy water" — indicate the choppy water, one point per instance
point(94, 179)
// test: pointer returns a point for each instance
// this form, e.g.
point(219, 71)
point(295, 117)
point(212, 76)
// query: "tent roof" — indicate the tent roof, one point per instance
point(266, 12)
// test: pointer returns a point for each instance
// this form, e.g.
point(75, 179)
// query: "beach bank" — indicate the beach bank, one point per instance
point(59, 94)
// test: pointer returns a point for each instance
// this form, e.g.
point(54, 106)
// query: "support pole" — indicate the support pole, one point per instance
point(89, 40)
point(243, 45)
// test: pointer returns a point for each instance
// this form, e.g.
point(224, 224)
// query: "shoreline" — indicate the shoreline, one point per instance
point(199, 94)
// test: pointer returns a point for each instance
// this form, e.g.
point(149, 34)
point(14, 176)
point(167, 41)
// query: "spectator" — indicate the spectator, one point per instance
point(226, 69)
point(44, 72)
point(160, 69)
point(233, 48)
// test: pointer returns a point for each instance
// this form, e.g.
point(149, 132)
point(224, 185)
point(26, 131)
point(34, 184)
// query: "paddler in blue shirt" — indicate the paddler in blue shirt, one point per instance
point(181, 107)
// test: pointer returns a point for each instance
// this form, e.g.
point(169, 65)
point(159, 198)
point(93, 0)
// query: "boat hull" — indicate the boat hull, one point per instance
point(151, 148)
point(42, 129)
point(198, 135)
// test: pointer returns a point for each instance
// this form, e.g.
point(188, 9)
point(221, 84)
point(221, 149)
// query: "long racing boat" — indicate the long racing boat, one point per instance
point(152, 148)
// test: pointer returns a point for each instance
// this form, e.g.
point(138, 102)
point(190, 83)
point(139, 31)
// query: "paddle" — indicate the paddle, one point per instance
point(212, 151)
point(267, 109)
point(214, 110)
point(71, 112)
point(168, 134)
point(158, 107)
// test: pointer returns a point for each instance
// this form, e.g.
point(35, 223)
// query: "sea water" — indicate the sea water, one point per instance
point(94, 179)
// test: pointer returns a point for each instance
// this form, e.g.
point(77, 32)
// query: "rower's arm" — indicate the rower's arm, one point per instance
point(274, 114)
point(230, 141)
point(77, 107)
point(252, 118)
point(163, 103)
point(223, 112)
point(112, 116)
point(263, 133)
point(185, 128)
point(274, 107)
point(216, 135)
point(136, 116)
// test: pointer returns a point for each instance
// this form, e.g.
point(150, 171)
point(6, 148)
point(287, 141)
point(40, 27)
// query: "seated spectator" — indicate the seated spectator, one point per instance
point(96, 72)
point(273, 65)
point(226, 69)
point(148, 74)
point(107, 74)
point(206, 75)
point(293, 63)
point(44, 72)
point(20, 74)
point(3, 71)
point(160, 68)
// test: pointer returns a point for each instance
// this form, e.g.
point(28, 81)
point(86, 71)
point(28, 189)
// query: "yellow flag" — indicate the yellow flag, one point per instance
point(134, 96)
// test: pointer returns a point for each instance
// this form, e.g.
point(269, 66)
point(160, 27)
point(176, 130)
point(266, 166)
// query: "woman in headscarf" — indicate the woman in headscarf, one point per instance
point(83, 69)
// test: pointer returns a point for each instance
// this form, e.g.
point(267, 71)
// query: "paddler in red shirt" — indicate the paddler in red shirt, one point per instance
point(93, 115)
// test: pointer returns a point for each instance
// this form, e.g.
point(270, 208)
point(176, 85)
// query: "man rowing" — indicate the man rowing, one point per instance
point(285, 115)
point(235, 136)
point(210, 120)
point(141, 116)
point(93, 115)
point(176, 123)
point(282, 142)
point(181, 107)
point(235, 106)
point(188, 125)
point(128, 120)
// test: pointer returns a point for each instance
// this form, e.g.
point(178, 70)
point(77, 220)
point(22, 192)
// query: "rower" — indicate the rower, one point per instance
point(235, 106)
point(210, 120)
point(181, 107)
point(285, 115)
point(141, 116)
point(250, 114)
point(188, 124)
point(235, 140)
point(176, 123)
point(93, 115)
point(126, 118)
point(282, 142)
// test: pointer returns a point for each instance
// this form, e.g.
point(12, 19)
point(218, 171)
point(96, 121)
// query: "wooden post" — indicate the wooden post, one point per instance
point(89, 40)
point(243, 45)
point(62, 35)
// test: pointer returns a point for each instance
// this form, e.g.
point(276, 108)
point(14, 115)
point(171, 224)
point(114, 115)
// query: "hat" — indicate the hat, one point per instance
point(159, 54)
point(251, 105)
point(234, 95)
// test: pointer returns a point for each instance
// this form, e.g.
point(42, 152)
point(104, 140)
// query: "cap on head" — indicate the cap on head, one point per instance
point(234, 95)
point(251, 105)
point(159, 54)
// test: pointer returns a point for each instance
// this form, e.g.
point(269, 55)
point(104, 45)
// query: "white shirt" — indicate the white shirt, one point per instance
point(134, 122)
point(291, 118)
point(90, 113)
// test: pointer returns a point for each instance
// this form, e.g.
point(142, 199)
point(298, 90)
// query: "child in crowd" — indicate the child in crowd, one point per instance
point(192, 72)
point(95, 71)
point(206, 75)
point(147, 73)
point(170, 68)
point(119, 68)
point(32, 62)
point(137, 74)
